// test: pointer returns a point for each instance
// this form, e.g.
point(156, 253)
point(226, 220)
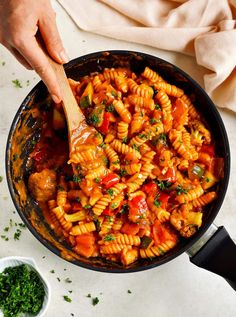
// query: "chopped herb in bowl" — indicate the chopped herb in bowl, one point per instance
point(22, 291)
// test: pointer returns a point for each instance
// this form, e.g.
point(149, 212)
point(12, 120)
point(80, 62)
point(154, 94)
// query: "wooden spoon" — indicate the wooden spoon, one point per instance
point(75, 118)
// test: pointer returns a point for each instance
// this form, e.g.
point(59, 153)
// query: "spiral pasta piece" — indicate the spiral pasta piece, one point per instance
point(122, 130)
point(124, 149)
point(140, 90)
point(142, 102)
point(157, 250)
point(204, 199)
point(122, 111)
point(150, 74)
point(191, 195)
point(170, 90)
point(83, 228)
point(113, 158)
point(59, 213)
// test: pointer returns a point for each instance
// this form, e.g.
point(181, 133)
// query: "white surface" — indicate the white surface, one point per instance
point(176, 289)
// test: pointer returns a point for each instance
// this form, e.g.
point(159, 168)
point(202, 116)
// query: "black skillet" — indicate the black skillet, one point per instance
point(210, 248)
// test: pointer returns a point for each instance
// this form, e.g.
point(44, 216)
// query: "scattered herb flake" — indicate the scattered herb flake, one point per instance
point(67, 299)
point(95, 301)
point(180, 190)
point(157, 107)
point(52, 271)
point(110, 108)
point(1, 178)
point(17, 234)
point(17, 83)
point(157, 203)
point(97, 180)
point(109, 237)
point(15, 157)
point(89, 296)
point(110, 191)
point(76, 178)
point(87, 206)
point(68, 280)
point(129, 291)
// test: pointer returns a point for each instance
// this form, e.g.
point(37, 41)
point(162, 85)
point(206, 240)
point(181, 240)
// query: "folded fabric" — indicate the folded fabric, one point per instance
point(204, 28)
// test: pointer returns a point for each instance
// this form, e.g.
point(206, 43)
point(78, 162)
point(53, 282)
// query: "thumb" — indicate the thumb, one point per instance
point(52, 39)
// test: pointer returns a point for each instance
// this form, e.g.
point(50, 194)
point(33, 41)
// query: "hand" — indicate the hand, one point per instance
point(20, 20)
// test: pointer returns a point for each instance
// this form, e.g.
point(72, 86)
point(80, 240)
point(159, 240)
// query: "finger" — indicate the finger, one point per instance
point(39, 62)
point(51, 38)
point(19, 57)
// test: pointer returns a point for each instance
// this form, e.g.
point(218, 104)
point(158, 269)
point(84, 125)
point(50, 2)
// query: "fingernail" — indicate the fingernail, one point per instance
point(56, 99)
point(64, 57)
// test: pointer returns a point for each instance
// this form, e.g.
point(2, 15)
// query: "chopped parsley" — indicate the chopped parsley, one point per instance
point(114, 93)
point(116, 162)
point(67, 299)
point(15, 157)
point(180, 190)
point(87, 206)
point(94, 119)
point(122, 172)
point(22, 291)
point(163, 137)
point(157, 203)
point(76, 178)
point(84, 102)
point(1, 178)
point(157, 107)
point(207, 179)
point(135, 147)
point(95, 301)
point(68, 280)
point(110, 191)
point(129, 291)
point(163, 184)
point(17, 234)
point(124, 209)
point(52, 271)
point(153, 120)
point(17, 83)
point(124, 140)
point(109, 237)
point(142, 136)
point(89, 296)
point(97, 180)
point(113, 205)
point(102, 145)
point(110, 108)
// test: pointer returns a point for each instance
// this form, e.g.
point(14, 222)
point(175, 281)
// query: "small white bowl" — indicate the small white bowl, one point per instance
point(17, 260)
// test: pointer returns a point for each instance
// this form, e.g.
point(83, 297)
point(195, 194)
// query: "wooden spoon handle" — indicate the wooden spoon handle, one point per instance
point(74, 115)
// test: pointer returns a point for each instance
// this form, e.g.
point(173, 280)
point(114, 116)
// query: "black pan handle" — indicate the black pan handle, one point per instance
point(218, 255)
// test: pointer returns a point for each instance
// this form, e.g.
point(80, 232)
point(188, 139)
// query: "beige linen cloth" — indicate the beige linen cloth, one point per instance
point(204, 28)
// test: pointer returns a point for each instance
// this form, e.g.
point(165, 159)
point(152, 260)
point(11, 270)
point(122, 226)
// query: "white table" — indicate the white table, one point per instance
point(176, 289)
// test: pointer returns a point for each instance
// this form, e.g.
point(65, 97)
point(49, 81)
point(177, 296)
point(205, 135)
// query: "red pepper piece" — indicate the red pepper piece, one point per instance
point(149, 188)
point(108, 212)
point(105, 123)
point(110, 180)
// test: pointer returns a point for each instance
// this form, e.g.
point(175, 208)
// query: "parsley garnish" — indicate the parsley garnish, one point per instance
point(17, 83)
point(67, 299)
point(84, 102)
point(208, 179)
point(67, 280)
point(135, 147)
point(124, 140)
point(97, 180)
point(89, 296)
point(114, 93)
point(153, 120)
point(21, 291)
point(60, 188)
point(129, 291)
point(163, 184)
point(142, 136)
point(94, 119)
point(1, 178)
point(110, 108)
point(95, 301)
point(157, 203)
point(76, 179)
point(110, 191)
point(17, 234)
point(87, 206)
point(109, 237)
point(122, 172)
point(52, 271)
point(157, 107)
point(15, 157)
point(180, 190)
